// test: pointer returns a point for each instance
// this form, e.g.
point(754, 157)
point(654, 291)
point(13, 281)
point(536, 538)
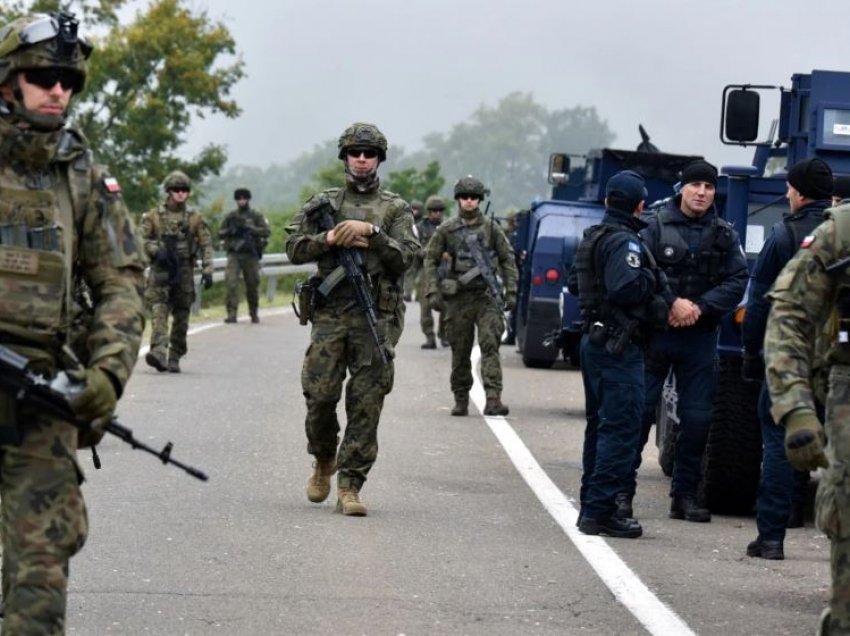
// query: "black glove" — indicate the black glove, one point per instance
point(206, 280)
point(804, 440)
point(752, 367)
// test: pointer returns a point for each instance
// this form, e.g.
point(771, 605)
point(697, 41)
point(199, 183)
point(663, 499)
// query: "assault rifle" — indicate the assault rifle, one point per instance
point(351, 262)
point(18, 380)
point(483, 266)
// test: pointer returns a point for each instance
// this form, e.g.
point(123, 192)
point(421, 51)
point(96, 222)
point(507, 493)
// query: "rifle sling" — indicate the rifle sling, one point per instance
point(466, 278)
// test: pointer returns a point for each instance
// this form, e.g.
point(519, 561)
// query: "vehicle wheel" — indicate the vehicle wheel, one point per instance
point(733, 455)
point(667, 451)
point(537, 363)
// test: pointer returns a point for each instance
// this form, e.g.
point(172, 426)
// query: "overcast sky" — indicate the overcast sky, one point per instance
point(420, 66)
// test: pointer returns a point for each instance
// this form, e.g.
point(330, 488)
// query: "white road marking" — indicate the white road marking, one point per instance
point(653, 614)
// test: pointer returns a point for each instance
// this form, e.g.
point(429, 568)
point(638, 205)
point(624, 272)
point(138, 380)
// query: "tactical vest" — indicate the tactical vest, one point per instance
point(183, 224)
point(691, 274)
point(40, 217)
point(793, 230)
point(463, 261)
point(426, 231)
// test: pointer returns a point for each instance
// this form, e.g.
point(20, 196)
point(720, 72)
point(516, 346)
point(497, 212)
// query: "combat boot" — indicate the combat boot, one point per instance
point(624, 505)
point(255, 317)
point(156, 359)
point(348, 502)
point(611, 527)
point(494, 406)
point(430, 342)
point(686, 507)
point(173, 364)
point(461, 407)
point(766, 549)
point(231, 319)
point(319, 484)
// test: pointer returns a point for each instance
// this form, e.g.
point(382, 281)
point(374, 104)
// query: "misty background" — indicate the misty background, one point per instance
point(420, 68)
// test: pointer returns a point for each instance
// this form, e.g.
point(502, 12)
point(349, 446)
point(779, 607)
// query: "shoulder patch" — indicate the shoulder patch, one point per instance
point(634, 247)
point(111, 185)
point(633, 260)
point(808, 241)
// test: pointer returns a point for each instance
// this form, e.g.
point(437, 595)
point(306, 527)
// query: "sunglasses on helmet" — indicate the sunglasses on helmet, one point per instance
point(47, 78)
point(183, 189)
point(369, 153)
point(62, 26)
point(476, 197)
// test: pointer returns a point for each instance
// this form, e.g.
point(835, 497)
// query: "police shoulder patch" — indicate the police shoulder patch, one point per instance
point(633, 259)
point(808, 241)
point(111, 185)
point(634, 247)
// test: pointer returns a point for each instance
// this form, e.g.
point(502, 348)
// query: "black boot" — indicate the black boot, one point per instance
point(612, 527)
point(686, 507)
point(766, 549)
point(430, 342)
point(461, 407)
point(255, 316)
point(624, 505)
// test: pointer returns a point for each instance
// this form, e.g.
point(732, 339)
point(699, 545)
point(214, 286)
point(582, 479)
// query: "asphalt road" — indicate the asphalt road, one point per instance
point(470, 527)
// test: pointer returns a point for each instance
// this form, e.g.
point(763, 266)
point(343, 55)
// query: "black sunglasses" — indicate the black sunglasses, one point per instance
point(476, 197)
point(179, 189)
point(369, 153)
point(47, 78)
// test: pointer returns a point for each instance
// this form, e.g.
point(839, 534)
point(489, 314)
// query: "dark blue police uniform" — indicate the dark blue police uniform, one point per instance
point(616, 282)
point(777, 483)
point(704, 263)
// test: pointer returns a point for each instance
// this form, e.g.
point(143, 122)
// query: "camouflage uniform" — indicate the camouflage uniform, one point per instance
point(472, 304)
point(412, 276)
point(425, 229)
point(245, 233)
point(48, 180)
point(340, 340)
point(171, 285)
point(807, 353)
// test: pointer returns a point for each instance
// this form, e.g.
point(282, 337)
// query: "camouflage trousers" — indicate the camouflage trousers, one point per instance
point(162, 302)
point(246, 266)
point(340, 344)
point(426, 319)
point(832, 504)
point(469, 310)
point(43, 523)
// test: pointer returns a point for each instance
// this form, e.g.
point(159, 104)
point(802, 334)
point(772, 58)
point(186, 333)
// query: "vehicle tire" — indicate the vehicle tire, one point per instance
point(733, 455)
point(537, 363)
point(667, 450)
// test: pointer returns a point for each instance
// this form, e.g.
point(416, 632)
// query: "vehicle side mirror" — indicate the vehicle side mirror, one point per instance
point(559, 168)
point(742, 116)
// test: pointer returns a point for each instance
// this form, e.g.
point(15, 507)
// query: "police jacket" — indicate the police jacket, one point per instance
point(781, 245)
point(702, 258)
point(614, 274)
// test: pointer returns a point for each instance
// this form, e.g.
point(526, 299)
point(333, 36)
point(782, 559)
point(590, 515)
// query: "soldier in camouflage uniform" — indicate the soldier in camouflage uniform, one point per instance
point(63, 227)
point(245, 234)
point(175, 236)
point(807, 355)
point(379, 225)
point(469, 300)
point(426, 228)
point(412, 275)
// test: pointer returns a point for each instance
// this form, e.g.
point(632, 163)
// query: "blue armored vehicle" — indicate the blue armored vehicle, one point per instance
point(814, 121)
point(548, 324)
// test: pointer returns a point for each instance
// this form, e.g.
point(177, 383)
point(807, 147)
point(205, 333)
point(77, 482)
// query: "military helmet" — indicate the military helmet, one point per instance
point(241, 193)
point(363, 135)
point(416, 204)
point(470, 185)
point(435, 202)
point(44, 40)
point(177, 179)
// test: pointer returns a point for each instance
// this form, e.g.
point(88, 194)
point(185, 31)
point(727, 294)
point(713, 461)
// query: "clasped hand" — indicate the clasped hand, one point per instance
point(683, 313)
point(350, 233)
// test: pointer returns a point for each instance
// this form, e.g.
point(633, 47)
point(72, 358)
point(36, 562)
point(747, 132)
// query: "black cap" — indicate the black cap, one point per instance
point(699, 170)
point(841, 186)
point(625, 190)
point(812, 178)
point(242, 193)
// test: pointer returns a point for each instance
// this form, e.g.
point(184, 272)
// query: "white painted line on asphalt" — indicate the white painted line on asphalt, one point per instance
point(653, 614)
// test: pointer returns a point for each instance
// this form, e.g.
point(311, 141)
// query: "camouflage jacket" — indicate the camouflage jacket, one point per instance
point(187, 226)
point(245, 231)
point(449, 240)
point(807, 330)
point(87, 248)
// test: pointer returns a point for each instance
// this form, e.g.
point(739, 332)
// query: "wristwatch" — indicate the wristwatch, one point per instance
point(376, 229)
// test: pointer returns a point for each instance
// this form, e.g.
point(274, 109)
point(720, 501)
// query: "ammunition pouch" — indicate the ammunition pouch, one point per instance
point(449, 287)
point(33, 291)
point(389, 296)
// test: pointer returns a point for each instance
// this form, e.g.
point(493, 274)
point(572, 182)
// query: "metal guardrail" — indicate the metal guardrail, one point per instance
point(271, 266)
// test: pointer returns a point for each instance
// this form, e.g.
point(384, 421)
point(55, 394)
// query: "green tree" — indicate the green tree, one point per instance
point(411, 183)
point(147, 81)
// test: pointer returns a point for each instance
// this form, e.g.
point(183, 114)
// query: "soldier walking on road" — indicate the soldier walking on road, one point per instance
point(426, 227)
point(245, 234)
point(175, 237)
point(372, 229)
point(807, 355)
point(63, 227)
point(621, 297)
point(478, 256)
point(413, 275)
point(810, 187)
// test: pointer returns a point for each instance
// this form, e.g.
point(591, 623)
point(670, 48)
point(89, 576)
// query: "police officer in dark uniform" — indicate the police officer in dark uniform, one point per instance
point(706, 268)
point(810, 187)
point(840, 189)
point(619, 287)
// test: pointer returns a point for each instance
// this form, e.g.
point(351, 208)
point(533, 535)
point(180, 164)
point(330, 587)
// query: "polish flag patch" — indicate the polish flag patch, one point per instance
point(807, 242)
point(111, 184)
